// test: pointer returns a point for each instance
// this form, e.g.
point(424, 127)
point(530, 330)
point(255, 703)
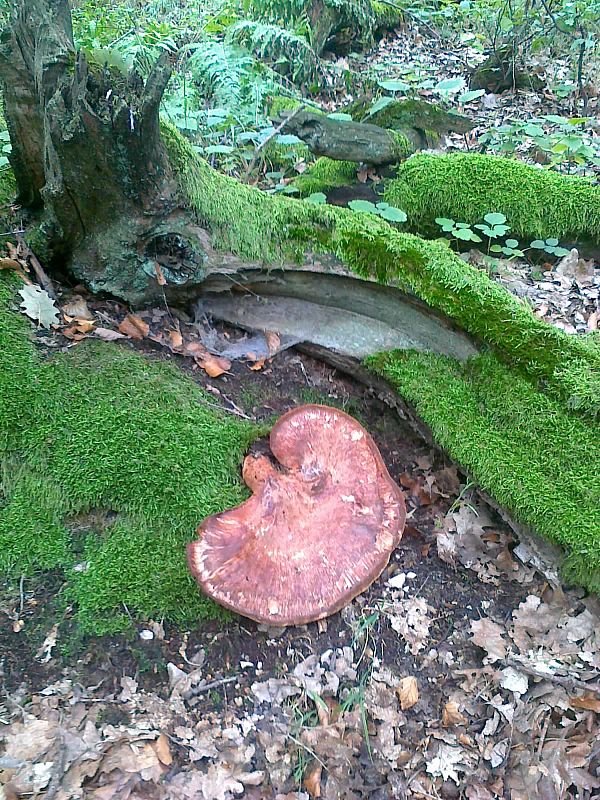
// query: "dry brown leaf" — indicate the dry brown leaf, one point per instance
point(163, 751)
point(77, 308)
point(175, 340)
point(74, 334)
point(258, 365)
point(312, 779)
point(108, 334)
point(588, 702)
point(408, 692)
point(452, 716)
point(488, 635)
point(194, 349)
point(592, 323)
point(213, 365)
point(273, 342)
point(134, 327)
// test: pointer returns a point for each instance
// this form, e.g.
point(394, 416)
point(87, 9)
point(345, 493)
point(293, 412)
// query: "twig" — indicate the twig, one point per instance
point(560, 680)
point(36, 266)
point(208, 686)
point(273, 134)
point(21, 595)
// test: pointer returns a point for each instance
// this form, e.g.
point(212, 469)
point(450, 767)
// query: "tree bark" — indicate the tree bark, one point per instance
point(86, 146)
point(353, 141)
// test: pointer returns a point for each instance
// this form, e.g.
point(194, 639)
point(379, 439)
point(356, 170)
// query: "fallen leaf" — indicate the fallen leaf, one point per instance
point(258, 365)
point(39, 306)
point(213, 365)
point(160, 278)
point(408, 692)
point(163, 751)
point(592, 323)
point(488, 635)
point(312, 779)
point(44, 654)
point(134, 327)
point(77, 308)
point(588, 702)
point(108, 334)
point(451, 715)
point(273, 342)
point(175, 340)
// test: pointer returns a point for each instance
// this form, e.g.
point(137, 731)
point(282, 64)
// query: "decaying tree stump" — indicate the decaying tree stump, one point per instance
point(87, 147)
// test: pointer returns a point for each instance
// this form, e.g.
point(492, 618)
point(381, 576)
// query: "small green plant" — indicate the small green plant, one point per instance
point(383, 210)
point(493, 226)
point(510, 248)
point(460, 230)
point(550, 246)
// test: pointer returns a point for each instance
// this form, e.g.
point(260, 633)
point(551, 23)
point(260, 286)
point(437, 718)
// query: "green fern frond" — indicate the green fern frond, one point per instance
point(270, 41)
point(220, 69)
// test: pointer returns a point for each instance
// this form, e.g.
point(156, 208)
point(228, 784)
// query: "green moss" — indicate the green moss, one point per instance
point(537, 203)
point(402, 114)
point(535, 458)
point(386, 16)
point(326, 174)
point(101, 428)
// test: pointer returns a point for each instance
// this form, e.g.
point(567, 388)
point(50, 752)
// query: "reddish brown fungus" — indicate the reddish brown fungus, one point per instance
point(314, 534)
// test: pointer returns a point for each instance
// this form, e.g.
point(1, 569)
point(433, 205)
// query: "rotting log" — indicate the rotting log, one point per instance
point(353, 141)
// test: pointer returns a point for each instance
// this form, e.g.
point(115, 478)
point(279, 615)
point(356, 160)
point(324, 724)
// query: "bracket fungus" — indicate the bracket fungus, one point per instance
point(314, 534)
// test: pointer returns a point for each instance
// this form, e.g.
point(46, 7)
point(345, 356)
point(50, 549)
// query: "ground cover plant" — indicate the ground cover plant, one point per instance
point(100, 430)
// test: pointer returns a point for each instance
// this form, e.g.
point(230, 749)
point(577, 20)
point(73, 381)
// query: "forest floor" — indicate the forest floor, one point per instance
point(466, 670)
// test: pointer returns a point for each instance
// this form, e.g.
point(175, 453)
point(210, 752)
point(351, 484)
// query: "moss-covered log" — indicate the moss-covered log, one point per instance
point(353, 141)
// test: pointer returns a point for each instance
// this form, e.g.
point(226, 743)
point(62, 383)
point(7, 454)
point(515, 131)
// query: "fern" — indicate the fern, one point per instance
point(220, 69)
point(273, 42)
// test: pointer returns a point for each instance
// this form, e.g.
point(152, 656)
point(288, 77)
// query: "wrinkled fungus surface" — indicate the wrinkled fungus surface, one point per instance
point(317, 531)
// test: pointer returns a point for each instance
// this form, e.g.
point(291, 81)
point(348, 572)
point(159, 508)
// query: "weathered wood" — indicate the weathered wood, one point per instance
point(87, 146)
point(353, 141)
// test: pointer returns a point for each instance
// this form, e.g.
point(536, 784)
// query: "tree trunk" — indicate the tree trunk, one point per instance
point(86, 145)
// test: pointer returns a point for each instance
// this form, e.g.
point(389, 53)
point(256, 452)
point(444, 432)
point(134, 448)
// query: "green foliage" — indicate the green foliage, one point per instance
point(550, 246)
point(279, 45)
point(567, 144)
point(514, 441)
point(101, 429)
point(383, 210)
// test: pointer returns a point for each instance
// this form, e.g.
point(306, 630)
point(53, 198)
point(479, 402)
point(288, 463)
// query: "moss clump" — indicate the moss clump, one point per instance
point(537, 203)
point(402, 114)
point(326, 174)
point(539, 461)
point(101, 428)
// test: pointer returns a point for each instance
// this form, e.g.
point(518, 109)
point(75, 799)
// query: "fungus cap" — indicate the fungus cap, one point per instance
point(314, 534)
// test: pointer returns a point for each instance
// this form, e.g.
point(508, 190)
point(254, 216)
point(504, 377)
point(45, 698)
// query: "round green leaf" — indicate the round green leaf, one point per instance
point(393, 214)
point(511, 243)
point(537, 244)
point(363, 205)
point(394, 86)
point(495, 218)
point(318, 198)
point(552, 242)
